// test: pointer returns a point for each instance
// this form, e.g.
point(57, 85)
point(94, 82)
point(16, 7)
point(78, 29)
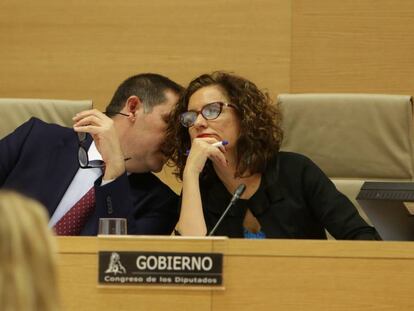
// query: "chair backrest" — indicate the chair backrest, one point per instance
point(352, 137)
point(15, 111)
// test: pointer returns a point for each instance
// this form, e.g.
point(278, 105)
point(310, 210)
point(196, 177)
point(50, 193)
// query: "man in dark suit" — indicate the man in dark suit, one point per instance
point(117, 151)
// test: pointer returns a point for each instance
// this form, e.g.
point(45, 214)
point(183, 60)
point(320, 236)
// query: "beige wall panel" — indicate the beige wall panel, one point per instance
point(353, 46)
point(83, 49)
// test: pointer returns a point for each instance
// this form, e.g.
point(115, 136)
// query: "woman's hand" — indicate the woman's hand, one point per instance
point(201, 150)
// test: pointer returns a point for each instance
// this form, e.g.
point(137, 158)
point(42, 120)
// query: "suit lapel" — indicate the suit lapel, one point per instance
point(63, 165)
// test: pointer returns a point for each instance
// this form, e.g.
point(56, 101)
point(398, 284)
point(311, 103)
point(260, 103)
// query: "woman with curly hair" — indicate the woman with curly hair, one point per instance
point(225, 132)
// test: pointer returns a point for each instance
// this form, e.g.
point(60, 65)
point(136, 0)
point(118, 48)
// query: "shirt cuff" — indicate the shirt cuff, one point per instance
point(105, 182)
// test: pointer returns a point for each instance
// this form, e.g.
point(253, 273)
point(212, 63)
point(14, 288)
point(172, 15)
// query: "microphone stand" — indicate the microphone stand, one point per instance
point(239, 191)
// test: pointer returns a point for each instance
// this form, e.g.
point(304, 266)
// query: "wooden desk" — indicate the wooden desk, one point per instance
point(258, 275)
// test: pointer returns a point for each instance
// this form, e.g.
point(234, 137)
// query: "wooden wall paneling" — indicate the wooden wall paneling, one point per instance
point(353, 46)
point(84, 49)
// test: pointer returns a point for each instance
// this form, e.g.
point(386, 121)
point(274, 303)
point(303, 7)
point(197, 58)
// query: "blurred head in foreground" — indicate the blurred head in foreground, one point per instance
point(27, 256)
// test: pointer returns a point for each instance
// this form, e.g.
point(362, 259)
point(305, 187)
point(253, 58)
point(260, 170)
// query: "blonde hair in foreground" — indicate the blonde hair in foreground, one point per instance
point(27, 256)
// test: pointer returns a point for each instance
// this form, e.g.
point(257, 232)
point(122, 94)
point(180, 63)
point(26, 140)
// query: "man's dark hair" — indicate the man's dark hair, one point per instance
point(148, 87)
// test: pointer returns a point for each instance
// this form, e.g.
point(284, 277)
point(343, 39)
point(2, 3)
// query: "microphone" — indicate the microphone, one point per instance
point(237, 194)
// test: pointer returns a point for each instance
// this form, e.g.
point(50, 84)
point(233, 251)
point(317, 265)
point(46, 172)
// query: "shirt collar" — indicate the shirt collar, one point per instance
point(93, 153)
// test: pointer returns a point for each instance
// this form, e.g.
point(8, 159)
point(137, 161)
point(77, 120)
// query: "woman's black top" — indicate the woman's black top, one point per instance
point(295, 200)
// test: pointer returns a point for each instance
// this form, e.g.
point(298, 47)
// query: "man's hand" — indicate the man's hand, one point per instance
point(103, 132)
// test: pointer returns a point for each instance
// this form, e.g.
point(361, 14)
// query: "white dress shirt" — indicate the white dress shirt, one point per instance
point(80, 185)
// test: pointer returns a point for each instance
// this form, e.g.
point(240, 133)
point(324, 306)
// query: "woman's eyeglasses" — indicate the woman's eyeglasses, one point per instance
point(210, 111)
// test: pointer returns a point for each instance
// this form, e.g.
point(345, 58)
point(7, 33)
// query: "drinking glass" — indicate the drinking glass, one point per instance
point(112, 226)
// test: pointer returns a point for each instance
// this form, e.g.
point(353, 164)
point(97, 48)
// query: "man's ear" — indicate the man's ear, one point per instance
point(133, 105)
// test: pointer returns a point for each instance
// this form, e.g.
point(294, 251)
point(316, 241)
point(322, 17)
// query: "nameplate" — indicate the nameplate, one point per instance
point(160, 268)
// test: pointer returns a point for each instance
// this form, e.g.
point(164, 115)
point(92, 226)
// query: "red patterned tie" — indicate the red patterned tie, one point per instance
point(74, 220)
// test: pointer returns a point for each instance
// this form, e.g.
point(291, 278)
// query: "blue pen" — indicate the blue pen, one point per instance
point(217, 144)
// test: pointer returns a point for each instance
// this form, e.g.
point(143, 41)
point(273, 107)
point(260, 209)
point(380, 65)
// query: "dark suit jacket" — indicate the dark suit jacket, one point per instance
point(40, 160)
point(295, 200)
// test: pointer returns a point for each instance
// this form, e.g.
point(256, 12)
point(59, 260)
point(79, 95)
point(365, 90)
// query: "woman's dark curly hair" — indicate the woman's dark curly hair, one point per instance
point(260, 131)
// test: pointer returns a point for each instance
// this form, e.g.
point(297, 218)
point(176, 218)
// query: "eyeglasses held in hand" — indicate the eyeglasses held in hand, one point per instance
point(209, 111)
point(83, 154)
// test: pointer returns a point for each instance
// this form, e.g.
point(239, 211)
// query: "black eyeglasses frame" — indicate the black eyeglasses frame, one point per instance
point(109, 112)
point(83, 158)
